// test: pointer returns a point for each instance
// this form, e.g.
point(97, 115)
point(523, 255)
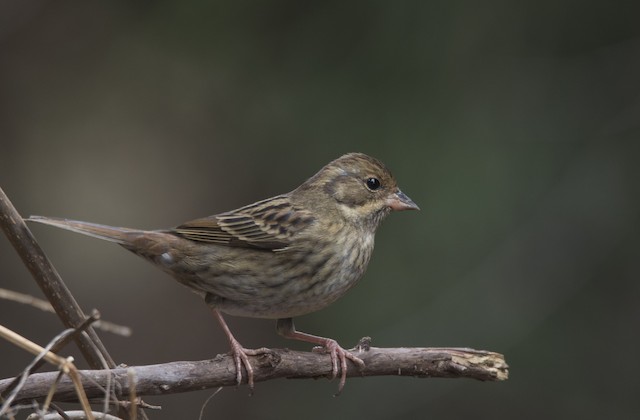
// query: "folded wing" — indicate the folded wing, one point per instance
point(269, 224)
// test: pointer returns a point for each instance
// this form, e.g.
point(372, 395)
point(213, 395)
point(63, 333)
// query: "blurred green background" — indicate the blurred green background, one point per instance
point(514, 125)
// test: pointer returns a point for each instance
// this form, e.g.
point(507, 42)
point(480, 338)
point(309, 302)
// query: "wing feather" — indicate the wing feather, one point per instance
point(268, 224)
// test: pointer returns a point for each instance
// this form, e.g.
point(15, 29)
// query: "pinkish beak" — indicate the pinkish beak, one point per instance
point(399, 201)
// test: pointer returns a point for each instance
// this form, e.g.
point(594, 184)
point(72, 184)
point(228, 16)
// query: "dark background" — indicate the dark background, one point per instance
point(514, 125)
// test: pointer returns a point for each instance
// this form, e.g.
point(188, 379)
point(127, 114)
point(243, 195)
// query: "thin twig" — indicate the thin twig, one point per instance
point(43, 305)
point(64, 365)
point(52, 391)
point(133, 380)
point(59, 343)
point(204, 405)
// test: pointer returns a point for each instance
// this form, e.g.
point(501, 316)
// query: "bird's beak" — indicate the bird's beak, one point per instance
point(399, 201)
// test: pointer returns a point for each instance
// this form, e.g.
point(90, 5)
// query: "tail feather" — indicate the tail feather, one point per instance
point(122, 236)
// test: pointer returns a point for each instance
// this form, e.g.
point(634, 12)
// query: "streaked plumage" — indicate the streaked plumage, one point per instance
point(277, 258)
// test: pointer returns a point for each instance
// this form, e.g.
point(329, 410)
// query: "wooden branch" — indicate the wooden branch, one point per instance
point(50, 282)
point(176, 377)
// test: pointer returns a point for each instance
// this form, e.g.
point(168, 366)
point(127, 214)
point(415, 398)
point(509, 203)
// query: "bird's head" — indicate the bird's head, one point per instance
point(357, 187)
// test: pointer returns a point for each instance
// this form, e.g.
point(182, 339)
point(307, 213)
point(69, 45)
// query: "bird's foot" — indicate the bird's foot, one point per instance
point(337, 353)
point(241, 358)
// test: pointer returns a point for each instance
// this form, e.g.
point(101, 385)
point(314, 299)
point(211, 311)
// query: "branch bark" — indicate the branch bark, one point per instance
point(176, 377)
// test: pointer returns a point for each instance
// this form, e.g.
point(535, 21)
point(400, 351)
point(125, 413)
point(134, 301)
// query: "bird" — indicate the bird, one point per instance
point(278, 258)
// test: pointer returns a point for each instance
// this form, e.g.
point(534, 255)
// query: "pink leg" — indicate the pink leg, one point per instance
point(286, 329)
point(239, 353)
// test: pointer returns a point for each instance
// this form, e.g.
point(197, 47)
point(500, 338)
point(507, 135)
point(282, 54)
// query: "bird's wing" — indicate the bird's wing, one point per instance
point(268, 224)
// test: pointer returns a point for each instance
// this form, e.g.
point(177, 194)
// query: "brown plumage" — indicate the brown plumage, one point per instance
point(277, 258)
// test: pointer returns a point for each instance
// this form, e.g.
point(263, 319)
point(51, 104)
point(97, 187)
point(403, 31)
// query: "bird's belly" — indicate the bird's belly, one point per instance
point(276, 284)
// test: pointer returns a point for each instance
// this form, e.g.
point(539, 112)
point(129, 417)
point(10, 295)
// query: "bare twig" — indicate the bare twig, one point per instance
point(57, 344)
point(131, 374)
point(43, 305)
point(176, 377)
point(65, 365)
point(204, 405)
point(49, 281)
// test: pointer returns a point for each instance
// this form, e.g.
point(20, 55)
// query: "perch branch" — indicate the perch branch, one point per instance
point(176, 377)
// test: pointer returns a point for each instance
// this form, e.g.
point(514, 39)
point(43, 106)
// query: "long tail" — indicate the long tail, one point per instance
point(122, 236)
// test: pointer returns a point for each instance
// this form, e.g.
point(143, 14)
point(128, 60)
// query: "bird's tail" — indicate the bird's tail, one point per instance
point(122, 236)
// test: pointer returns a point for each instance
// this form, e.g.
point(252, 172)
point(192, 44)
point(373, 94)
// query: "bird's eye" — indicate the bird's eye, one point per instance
point(373, 183)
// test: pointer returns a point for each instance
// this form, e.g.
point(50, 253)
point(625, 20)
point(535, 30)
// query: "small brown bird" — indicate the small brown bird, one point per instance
point(278, 258)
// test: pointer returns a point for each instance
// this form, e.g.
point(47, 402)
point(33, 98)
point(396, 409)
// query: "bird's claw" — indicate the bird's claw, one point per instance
point(240, 358)
point(338, 353)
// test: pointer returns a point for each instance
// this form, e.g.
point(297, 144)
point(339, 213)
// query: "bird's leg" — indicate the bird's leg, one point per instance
point(285, 328)
point(238, 352)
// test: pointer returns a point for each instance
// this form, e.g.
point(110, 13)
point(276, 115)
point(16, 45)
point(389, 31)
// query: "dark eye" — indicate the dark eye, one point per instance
point(373, 184)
